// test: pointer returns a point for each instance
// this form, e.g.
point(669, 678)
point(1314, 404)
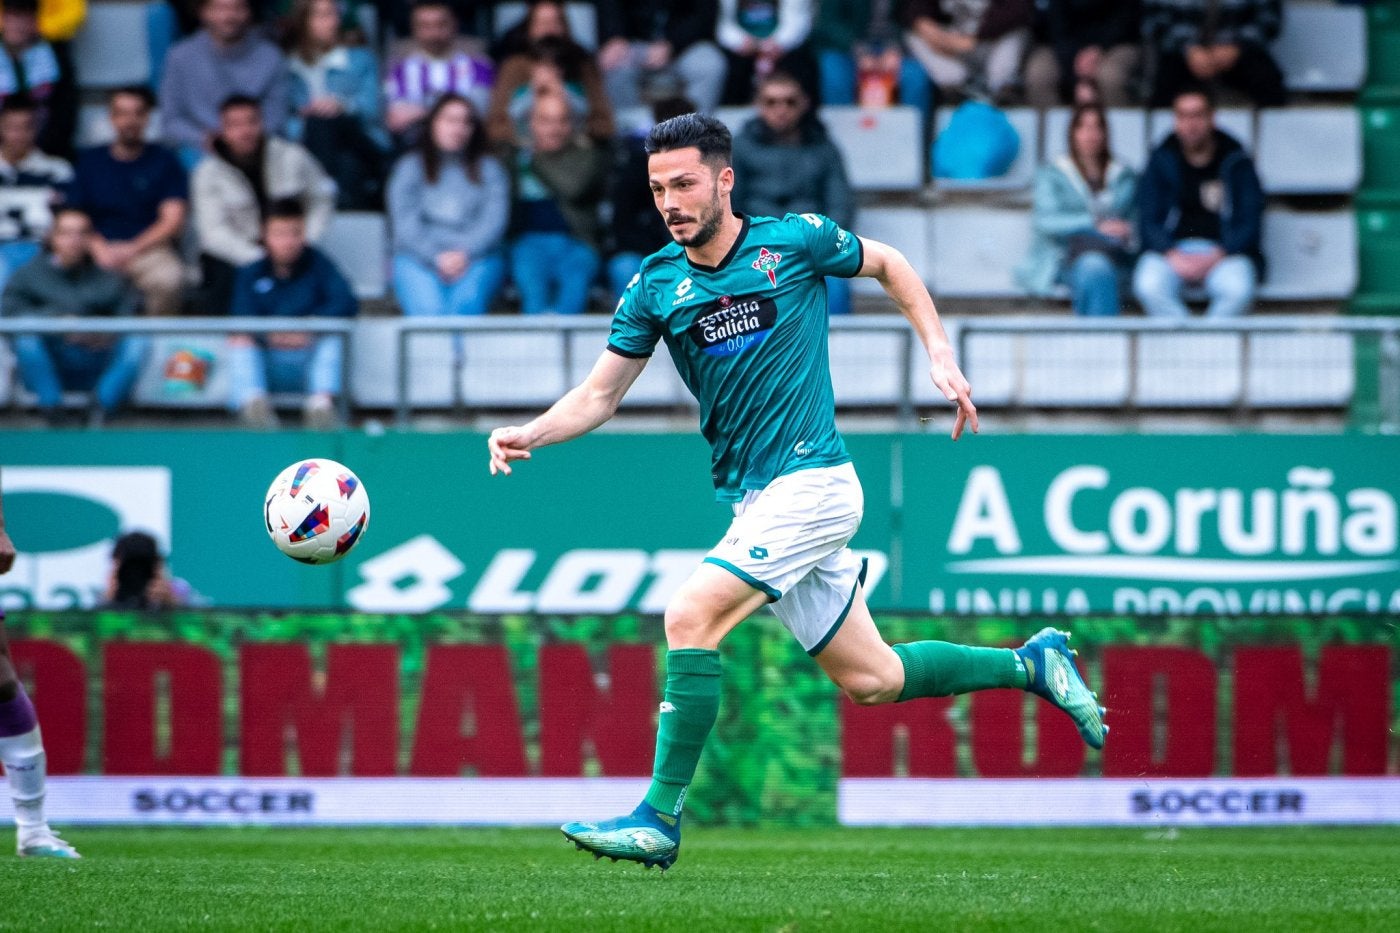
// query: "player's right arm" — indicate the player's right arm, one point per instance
point(583, 408)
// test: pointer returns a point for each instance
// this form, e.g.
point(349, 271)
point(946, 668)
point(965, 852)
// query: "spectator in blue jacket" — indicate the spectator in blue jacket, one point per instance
point(293, 280)
point(1201, 211)
point(337, 111)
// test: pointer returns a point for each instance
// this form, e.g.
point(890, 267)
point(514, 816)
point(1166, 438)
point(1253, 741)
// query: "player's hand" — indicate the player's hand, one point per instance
point(7, 552)
point(955, 388)
point(507, 444)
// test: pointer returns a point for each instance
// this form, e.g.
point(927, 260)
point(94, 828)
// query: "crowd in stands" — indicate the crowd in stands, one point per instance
point(508, 178)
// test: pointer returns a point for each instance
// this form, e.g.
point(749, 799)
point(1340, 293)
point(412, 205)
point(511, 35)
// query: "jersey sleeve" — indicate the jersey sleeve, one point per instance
point(635, 329)
point(833, 250)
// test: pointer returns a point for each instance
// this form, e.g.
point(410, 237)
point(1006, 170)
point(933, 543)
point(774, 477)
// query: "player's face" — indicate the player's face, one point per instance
point(692, 197)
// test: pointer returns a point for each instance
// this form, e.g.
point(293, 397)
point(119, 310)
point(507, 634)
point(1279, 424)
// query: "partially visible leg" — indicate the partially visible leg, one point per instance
point(703, 69)
point(1157, 287)
point(1117, 75)
point(532, 272)
point(1042, 77)
point(577, 270)
point(1093, 285)
point(473, 293)
point(915, 89)
point(623, 84)
point(838, 69)
point(122, 369)
point(1002, 68)
point(419, 291)
point(37, 370)
point(1231, 285)
point(159, 275)
point(621, 268)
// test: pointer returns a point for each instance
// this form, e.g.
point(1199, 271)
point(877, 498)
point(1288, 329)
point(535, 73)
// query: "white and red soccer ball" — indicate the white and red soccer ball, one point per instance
point(316, 510)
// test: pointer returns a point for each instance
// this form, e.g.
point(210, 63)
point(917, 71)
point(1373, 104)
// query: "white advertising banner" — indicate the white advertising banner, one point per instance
point(1112, 801)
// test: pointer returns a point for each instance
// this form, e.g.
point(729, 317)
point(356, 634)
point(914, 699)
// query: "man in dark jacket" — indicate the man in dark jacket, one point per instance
point(785, 163)
point(666, 42)
point(63, 281)
point(1201, 211)
point(1205, 41)
point(292, 280)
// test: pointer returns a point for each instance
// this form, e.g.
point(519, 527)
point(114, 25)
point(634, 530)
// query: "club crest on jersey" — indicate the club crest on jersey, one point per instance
point(767, 263)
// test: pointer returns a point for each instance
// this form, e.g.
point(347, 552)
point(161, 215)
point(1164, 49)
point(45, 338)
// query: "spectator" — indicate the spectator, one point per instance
point(58, 20)
point(30, 66)
point(224, 59)
point(449, 204)
point(1201, 211)
point(638, 229)
point(543, 18)
point(785, 163)
point(231, 189)
point(1093, 56)
point(861, 58)
point(137, 195)
point(139, 578)
point(760, 37)
point(658, 48)
point(969, 48)
point(63, 281)
point(550, 63)
point(437, 64)
point(31, 183)
point(1085, 203)
point(472, 16)
point(293, 280)
point(559, 185)
point(336, 108)
point(1209, 41)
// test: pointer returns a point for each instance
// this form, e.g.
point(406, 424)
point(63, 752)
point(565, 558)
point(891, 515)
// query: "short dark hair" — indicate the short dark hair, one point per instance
point(693, 130)
point(146, 95)
point(1196, 89)
point(18, 103)
point(23, 6)
point(429, 4)
point(238, 100)
point(285, 209)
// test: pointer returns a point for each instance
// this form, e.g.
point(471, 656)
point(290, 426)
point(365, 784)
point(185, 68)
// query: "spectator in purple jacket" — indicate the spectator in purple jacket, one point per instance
point(437, 64)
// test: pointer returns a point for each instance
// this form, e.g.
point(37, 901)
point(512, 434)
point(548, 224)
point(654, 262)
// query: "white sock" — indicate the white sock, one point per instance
point(24, 761)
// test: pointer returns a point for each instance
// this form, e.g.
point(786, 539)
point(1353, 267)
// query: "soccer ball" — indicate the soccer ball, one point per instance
point(316, 510)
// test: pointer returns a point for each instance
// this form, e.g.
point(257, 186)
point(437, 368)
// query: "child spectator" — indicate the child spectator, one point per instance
point(660, 44)
point(437, 64)
point(31, 183)
point(760, 37)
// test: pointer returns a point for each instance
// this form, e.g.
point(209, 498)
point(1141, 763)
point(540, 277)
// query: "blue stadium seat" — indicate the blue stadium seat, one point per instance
point(1127, 134)
point(1309, 150)
point(113, 48)
point(1322, 47)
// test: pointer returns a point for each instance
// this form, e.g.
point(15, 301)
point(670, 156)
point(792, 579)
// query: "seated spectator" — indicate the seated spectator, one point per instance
point(231, 189)
point(1093, 56)
point(1201, 211)
point(31, 183)
point(658, 49)
point(785, 163)
point(224, 59)
point(1085, 203)
point(472, 16)
point(559, 184)
point(861, 58)
point(760, 37)
point(63, 281)
point(969, 49)
point(437, 64)
point(543, 18)
point(449, 203)
point(139, 579)
point(638, 229)
point(1208, 41)
point(31, 67)
point(58, 20)
point(550, 63)
point(137, 195)
point(293, 280)
point(336, 108)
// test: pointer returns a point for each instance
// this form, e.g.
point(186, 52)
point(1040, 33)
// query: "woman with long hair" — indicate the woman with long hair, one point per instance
point(449, 204)
point(337, 111)
point(1082, 215)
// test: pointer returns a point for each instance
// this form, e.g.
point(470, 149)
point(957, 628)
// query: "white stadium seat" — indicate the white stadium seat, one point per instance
point(1026, 122)
point(373, 374)
point(907, 229)
point(517, 369)
point(112, 48)
point(1322, 47)
point(865, 367)
point(1309, 150)
point(975, 250)
point(583, 21)
point(1188, 370)
point(1300, 370)
point(1127, 134)
point(1237, 121)
point(1311, 255)
point(358, 243)
point(883, 149)
point(659, 385)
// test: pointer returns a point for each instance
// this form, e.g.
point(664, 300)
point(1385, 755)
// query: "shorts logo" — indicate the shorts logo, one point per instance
point(758, 553)
point(767, 263)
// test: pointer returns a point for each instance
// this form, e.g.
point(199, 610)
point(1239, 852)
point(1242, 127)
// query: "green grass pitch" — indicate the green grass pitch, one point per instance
point(1238, 880)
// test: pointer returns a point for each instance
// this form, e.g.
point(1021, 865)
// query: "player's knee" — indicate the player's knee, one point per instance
point(868, 689)
point(688, 626)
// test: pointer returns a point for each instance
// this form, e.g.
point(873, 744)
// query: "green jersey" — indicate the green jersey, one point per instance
point(749, 338)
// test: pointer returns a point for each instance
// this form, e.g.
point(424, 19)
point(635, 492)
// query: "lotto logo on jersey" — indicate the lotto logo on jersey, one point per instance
point(733, 324)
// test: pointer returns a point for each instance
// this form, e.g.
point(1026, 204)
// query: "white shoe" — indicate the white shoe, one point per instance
point(43, 842)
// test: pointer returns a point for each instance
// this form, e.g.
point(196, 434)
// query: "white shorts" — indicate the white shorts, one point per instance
point(789, 541)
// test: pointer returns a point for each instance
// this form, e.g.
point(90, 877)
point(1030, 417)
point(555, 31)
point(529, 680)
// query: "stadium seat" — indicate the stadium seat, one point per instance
point(1188, 370)
point(113, 49)
point(1311, 255)
point(513, 369)
point(1322, 47)
point(1300, 370)
point(1026, 122)
point(1127, 134)
point(975, 250)
point(151, 390)
point(883, 149)
point(94, 129)
point(583, 21)
point(1237, 121)
point(1309, 150)
point(862, 366)
point(374, 372)
point(7, 374)
point(358, 243)
point(659, 385)
point(1381, 147)
point(907, 229)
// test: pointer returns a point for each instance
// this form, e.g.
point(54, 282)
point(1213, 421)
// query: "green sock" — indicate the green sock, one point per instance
point(688, 714)
point(939, 669)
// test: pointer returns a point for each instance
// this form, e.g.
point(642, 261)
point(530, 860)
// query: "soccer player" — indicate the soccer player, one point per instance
point(741, 305)
point(21, 750)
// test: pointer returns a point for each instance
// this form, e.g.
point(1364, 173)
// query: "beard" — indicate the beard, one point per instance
point(709, 223)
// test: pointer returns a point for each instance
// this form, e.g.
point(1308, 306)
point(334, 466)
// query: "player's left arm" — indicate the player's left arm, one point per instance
point(897, 277)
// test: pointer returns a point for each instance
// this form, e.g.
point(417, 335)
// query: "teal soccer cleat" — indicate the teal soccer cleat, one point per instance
point(643, 836)
point(1057, 680)
point(44, 843)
